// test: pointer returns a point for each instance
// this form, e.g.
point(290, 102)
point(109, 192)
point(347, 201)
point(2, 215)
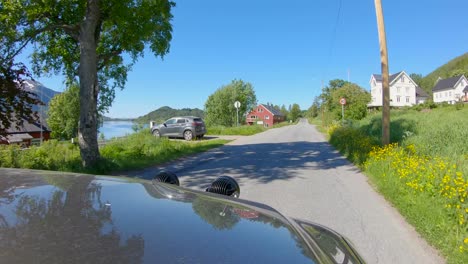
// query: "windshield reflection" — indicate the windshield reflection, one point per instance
point(64, 227)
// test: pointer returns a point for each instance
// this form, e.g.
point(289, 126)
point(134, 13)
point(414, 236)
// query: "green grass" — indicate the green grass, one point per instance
point(135, 151)
point(243, 130)
point(430, 156)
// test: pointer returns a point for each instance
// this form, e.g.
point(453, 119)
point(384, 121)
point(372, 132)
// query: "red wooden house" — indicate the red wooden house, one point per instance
point(265, 115)
point(26, 135)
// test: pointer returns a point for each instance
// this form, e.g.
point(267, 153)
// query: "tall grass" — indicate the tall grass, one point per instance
point(424, 173)
point(135, 151)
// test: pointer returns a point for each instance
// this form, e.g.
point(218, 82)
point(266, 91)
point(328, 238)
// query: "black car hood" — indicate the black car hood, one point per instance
point(49, 217)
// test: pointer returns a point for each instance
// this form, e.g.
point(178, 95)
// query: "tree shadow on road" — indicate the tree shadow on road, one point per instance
point(263, 163)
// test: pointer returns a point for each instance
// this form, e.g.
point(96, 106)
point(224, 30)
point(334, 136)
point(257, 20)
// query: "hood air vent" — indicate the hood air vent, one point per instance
point(166, 177)
point(225, 185)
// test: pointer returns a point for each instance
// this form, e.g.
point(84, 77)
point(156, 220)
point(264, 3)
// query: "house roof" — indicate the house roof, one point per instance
point(446, 83)
point(273, 110)
point(466, 89)
point(26, 127)
point(16, 138)
point(378, 77)
point(420, 92)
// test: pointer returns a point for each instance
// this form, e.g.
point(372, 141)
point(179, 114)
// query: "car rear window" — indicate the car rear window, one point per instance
point(197, 120)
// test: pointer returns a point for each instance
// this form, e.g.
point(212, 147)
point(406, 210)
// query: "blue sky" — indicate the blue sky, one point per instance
point(286, 48)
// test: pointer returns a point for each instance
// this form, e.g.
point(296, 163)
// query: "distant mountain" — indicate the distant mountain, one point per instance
point(43, 93)
point(458, 64)
point(162, 114)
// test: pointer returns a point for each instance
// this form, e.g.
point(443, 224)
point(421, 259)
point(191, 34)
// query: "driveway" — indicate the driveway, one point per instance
point(294, 170)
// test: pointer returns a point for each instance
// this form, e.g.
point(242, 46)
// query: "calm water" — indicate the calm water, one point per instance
point(112, 129)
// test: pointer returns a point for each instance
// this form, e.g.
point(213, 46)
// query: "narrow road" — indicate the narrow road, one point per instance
point(294, 170)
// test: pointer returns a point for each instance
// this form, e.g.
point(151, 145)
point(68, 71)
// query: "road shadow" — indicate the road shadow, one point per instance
point(263, 163)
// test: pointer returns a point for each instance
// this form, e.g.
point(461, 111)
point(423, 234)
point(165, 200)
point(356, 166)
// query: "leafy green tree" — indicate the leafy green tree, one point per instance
point(356, 101)
point(295, 112)
point(284, 111)
point(85, 40)
point(313, 110)
point(326, 97)
point(64, 113)
point(219, 108)
point(417, 78)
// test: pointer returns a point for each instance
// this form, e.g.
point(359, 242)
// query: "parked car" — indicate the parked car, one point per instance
point(188, 127)
point(58, 217)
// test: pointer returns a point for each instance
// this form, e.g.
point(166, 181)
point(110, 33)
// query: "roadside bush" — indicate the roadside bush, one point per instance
point(351, 142)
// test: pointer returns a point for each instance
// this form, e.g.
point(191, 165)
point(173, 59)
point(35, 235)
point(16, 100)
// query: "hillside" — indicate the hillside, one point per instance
point(43, 93)
point(165, 112)
point(458, 64)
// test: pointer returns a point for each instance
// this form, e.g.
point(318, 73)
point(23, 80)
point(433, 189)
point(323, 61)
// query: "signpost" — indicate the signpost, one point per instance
point(342, 102)
point(237, 104)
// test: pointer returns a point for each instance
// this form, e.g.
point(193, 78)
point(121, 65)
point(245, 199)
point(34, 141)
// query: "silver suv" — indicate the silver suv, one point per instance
point(187, 127)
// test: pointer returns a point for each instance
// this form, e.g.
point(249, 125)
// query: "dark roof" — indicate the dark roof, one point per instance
point(446, 83)
point(378, 77)
point(420, 92)
point(26, 127)
point(273, 110)
point(466, 89)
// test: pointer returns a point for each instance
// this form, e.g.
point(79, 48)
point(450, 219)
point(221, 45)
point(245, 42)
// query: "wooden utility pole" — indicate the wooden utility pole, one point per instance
point(385, 80)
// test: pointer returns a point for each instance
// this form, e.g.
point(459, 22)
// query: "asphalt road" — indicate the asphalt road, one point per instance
point(294, 170)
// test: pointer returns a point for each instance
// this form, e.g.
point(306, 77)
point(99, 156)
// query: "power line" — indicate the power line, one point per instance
point(332, 44)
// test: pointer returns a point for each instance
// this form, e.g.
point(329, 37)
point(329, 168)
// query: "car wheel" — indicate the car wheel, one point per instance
point(156, 133)
point(188, 135)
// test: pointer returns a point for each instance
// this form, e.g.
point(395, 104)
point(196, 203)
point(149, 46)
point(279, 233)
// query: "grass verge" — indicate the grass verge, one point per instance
point(423, 173)
point(243, 130)
point(135, 151)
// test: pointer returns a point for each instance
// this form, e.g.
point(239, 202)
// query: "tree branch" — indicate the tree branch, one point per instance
point(105, 58)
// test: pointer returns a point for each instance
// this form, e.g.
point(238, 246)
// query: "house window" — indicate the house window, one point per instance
point(267, 117)
point(398, 89)
point(398, 98)
point(445, 94)
point(407, 90)
point(402, 79)
point(407, 99)
point(450, 93)
point(253, 117)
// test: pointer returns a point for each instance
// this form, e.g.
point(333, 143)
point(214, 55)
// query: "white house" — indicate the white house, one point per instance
point(403, 90)
point(451, 90)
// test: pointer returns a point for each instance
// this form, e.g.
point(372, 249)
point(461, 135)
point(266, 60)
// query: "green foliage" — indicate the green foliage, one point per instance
point(295, 113)
point(240, 130)
point(64, 113)
point(138, 150)
point(86, 39)
point(427, 157)
point(417, 78)
point(219, 108)
point(456, 66)
point(356, 101)
point(162, 114)
point(328, 102)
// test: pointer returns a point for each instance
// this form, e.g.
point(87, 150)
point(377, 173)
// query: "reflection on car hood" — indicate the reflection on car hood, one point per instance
point(50, 217)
